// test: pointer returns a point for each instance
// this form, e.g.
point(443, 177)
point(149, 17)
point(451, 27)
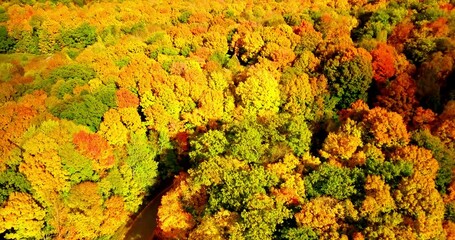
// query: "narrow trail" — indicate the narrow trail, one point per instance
point(143, 226)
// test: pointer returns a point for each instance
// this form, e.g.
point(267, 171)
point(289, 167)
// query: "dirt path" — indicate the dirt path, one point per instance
point(144, 224)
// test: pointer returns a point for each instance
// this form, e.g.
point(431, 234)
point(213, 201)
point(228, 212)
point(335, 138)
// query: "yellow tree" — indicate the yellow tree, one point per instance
point(114, 215)
point(378, 198)
point(16, 117)
point(131, 119)
point(22, 217)
point(46, 162)
point(417, 195)
point(298, 93)
point(341, 146)
point(323, 214)
point(292, 188)
point(112, 128)
point(41, 161)
point(173, 220)
point(85, 211)
point(392, 225)
point(19, 18)
point(137, 74)
point(259, 92)
point(387, 128)
point(217, 226)
point(247, 43)
point(280, 41)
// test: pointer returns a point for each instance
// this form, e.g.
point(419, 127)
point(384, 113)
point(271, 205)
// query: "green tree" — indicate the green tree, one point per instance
point(3, 14)
point(340, 183)
point(85, 110)
point(79, 167)
point(298, 135)
point(261, 221)
point(72, 75)
point(239, 188)
point(141, 160)
point(81, 37)
point(350, 74)
point(67, 87)
point(298, 233)
point(392, 172)
point(12, 181)
point(72, 71)
point(381, 22)
point(418, 50)
point(7, 43)
point(208, 145)
point(247, 142)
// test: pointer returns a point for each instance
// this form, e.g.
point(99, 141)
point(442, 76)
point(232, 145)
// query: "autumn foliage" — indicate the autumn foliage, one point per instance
point(274, 119)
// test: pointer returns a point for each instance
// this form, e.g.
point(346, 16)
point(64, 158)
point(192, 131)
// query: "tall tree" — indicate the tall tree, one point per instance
point(350, 74)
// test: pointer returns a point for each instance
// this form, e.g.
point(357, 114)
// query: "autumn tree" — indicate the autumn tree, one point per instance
point(423, 119)
point(425, 203)
point(96, 148)
point(386, 129)
point(214, 227)
point(22, 217)
point(259, 92)
point(338, 183)
point(309, 37)
point(173, 220)
point(16, 118)
point(297, 92)
point(400, 34)
point(41, 162)
point(126, 98)
point(378, 199)
point(246, 43)
point(342, 145)
point(112, 128)
point(265, 111)
point(349, 74)
point(324, 215)
point(85, 211)
point(443, 155)
point(383, 62)
point(432, 78)
point(399, 96)
point(114, 214)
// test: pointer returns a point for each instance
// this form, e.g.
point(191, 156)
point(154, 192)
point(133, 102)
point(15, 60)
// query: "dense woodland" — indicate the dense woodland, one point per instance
point(309, 119)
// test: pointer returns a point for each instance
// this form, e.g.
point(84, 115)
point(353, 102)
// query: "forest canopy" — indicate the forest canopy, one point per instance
point(312, 119)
